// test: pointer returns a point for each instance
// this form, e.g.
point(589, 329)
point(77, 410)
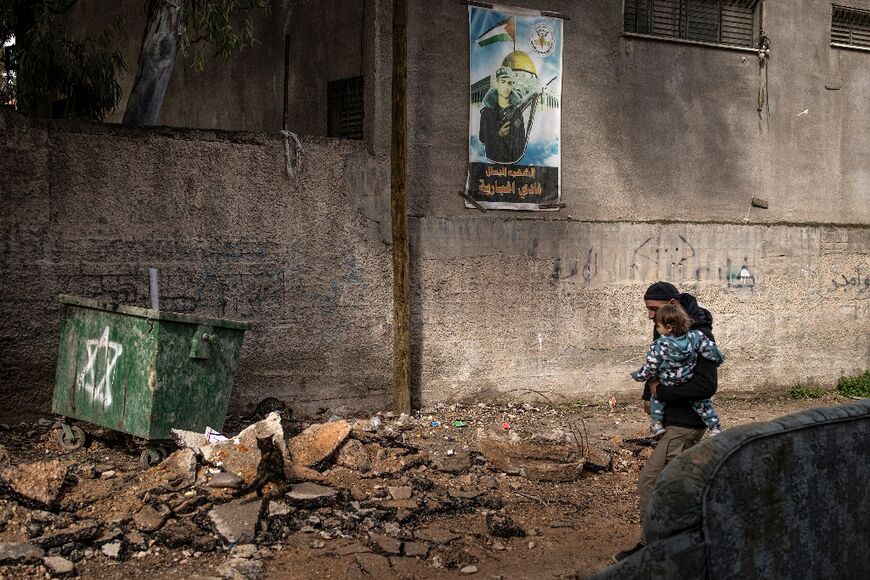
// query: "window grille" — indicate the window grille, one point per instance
point(726, 22)
point(345, 108)
point(850, 27)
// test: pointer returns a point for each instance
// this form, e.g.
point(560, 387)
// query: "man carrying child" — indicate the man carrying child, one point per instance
point(684, 427)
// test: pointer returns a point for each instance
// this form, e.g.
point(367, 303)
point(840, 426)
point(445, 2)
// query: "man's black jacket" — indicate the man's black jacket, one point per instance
point(678, 410)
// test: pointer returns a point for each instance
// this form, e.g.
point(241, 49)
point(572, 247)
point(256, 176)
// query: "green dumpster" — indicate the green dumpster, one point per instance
point(141, 371)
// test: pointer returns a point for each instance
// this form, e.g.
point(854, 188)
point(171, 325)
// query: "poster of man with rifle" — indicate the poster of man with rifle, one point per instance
point(515, 119)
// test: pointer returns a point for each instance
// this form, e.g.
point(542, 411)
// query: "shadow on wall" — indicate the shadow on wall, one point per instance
point(780, 499)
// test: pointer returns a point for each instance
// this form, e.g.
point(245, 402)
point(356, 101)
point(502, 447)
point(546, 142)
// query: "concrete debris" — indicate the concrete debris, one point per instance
point(4, 456)
point(598, 461)
point(241, 569)
point(543, 456)
point(403, 492)
point(81, 532)
point(19, 552)
point(278, 508)
point(239, 454)
point(374, 565)
point(236, 521)
point(225, 480)
point(180, 468)
point(189, 440)
point(312, 494)
point(458, 462)
point(58, 566)
point(318, 443)
point(41, 482)
point(149, 519)
point(354, 456)
point(416, 549)
point(381, 494)
point(243, 551)
point(114, 550)
point(386, 544)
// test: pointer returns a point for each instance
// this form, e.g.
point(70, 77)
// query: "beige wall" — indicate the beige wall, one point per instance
point(662, 151)
point(87, 209)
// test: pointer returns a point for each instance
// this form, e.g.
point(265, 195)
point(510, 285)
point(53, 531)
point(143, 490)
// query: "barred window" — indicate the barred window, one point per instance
point(850, 27)
point(345, 108)
point(724, 22)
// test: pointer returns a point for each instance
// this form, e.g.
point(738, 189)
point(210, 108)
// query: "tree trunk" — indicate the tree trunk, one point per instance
point(156, 61)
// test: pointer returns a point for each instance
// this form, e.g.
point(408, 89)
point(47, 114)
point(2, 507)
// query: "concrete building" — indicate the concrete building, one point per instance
point(663, 150)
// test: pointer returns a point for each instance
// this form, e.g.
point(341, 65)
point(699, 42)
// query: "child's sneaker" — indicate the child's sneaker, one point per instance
point(656, 429)
point(715, 431)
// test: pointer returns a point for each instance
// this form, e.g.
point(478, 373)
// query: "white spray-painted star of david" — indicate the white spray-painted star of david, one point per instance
point(100, 392)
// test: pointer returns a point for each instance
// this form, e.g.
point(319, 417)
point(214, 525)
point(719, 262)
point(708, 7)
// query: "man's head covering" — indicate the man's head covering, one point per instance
point(662, 291)
point(504, 71)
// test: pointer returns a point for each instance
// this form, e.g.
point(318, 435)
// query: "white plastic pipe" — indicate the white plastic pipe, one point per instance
point(155, 297)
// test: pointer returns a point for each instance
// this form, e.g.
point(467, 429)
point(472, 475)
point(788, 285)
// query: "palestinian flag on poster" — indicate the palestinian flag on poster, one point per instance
point(504, 31)
point(514, 109)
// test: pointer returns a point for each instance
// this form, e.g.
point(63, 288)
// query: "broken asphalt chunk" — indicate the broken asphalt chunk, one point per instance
point(353, 455)
point(148, 519)
point(41, 482)
point(11, 552)
point(386, 544)
point(236, 521)
point(58, 566)
point(225, 480)
point(544, 456)
point(189, 439)
point(83, 532)
point(180, 468)
point(416, 549)
point(311, 494)
point(318, 443)
point(239, 454)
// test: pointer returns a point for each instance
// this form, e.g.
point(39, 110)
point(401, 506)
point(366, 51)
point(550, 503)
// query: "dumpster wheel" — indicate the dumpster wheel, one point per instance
point(151, 456)
point(70, 437)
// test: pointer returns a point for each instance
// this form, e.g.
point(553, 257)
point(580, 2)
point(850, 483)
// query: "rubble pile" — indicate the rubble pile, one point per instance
point(381, 491)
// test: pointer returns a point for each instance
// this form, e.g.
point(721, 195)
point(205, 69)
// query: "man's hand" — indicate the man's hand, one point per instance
point(646, 407)
point(653, 385)
point(504, 129)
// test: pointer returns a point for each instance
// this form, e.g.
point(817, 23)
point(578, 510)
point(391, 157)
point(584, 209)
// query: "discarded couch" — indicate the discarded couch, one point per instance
point(782, 499)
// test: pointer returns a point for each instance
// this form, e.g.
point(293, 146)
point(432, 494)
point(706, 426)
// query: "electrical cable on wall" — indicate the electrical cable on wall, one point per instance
point(293, 164)
point(763, 58)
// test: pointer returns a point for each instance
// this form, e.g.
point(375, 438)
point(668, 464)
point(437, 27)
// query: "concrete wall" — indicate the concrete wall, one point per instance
point(247, 91)
point(662, 151)
point(88, 208)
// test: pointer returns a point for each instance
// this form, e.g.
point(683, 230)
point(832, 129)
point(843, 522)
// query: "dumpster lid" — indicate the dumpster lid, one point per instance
point(151, 314)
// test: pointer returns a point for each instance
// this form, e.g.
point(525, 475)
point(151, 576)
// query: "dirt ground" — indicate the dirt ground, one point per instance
point(560, 530)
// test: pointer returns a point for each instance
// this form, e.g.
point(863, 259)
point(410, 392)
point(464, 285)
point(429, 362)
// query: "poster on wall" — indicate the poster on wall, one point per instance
point(514, 129)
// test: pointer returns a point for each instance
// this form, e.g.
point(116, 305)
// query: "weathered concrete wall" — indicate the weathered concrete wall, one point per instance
point(779, 499)
point(87, 209)
point(655, 130)
point(662, 151)
point(327, 43)
point(556, 305)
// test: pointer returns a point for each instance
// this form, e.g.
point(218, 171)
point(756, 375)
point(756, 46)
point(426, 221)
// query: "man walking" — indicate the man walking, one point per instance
point(684, 426)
